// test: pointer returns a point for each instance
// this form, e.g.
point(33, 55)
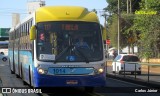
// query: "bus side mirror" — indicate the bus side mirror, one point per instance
point(33, 33)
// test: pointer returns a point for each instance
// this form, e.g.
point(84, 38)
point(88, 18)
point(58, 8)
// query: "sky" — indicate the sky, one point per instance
point(7, 7)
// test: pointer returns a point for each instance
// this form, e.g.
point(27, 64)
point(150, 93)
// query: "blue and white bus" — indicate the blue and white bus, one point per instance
point(42, 48)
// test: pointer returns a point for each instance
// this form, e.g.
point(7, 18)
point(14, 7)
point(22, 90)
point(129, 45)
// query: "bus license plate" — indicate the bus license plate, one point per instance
point(59, 71)
point(71, 82)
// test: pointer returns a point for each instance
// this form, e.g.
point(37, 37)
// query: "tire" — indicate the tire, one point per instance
point(118, 70)
point(12, 72)
point(17, 76)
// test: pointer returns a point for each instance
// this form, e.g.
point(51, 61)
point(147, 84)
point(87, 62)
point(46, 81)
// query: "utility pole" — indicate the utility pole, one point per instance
point(130, 6)
point(118, 28)
point(104, 34)
point(127, 7)
point(127, 14)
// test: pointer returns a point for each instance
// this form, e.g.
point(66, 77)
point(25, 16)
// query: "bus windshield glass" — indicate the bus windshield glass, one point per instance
point(69, 41)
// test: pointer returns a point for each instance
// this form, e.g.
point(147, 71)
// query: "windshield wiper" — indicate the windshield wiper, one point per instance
point(64, 51)
point(82, 54)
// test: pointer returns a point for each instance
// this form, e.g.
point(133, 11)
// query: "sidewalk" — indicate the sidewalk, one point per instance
point(139, 81)
point(152, 81)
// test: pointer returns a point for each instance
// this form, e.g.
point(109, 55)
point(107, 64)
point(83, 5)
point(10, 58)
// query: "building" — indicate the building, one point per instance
point(4, 34)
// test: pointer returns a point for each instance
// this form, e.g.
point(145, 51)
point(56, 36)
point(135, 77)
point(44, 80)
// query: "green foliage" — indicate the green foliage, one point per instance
point(143, 28)
point(112, 30)
point(112, 6)
point(94, 10)
point(148, 26)
point(150, 4)
point(125, 23)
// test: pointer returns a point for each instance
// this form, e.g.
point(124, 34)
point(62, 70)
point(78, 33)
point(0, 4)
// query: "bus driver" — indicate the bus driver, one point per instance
point(81, 44)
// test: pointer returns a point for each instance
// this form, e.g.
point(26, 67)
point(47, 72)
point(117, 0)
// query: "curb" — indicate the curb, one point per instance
point(151, 84)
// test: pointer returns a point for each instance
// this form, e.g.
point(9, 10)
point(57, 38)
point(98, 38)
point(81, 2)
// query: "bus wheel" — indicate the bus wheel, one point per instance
point(24, 82)
point(89, 89)
point(12, 72)
point(17, 76)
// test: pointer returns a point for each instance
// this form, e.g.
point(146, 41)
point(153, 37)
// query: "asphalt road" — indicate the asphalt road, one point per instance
point(113, 87)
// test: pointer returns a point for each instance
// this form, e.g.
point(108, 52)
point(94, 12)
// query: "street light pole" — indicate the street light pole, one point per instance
point(118, 28)
point(105, 24)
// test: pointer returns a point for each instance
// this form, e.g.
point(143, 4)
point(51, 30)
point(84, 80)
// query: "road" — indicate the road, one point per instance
point(113, 87)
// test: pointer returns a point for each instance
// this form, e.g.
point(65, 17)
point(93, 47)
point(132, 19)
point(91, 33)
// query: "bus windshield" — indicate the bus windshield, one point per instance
point(69, 41)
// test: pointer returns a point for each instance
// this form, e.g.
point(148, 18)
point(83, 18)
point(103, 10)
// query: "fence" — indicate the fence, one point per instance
point(149, 72)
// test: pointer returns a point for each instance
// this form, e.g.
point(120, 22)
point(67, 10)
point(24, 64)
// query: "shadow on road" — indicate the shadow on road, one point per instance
point(65, 91)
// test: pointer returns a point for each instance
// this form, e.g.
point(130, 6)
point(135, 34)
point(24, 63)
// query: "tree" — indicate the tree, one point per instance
point(94, 10)
point(148, 27)
point(126, 21)
point(143, 28)
point(112, 6)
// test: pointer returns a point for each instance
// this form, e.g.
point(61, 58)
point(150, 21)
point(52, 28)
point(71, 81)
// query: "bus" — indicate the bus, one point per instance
point(4, 51)
point(42, 49)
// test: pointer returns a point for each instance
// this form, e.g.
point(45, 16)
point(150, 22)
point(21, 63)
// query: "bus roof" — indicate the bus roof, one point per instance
point(67, 13)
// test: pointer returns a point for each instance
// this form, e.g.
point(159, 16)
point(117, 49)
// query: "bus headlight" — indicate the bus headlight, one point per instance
point(100, 70)
point(41, 71)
